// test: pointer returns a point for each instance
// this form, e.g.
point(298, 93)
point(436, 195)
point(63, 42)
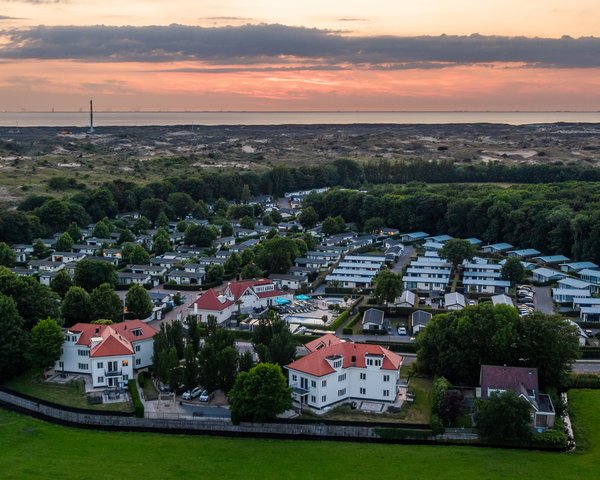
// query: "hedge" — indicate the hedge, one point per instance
point(337, 323)
point(584, 380)
point(138, 406)
point(590, 352)
point(402, 434)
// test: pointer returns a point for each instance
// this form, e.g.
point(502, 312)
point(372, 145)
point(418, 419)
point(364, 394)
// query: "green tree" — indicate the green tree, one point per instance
point(162, 241)
point(513, 270)
point(233, 263)
point(277, 254)
point(245, 195)
point(333, 225)
point(457, 250)
point(137, 255)
point(34, 300)
point(13, 338)
point(8, 257)
point(102, 229)
point(214, 273)
point(218, 358)
point(162, 220)
point(76, 306)
point(251, 271)
point(141, 225)
point(137, 302)
point(374, 223)
point(45, 344)
point(247, 256)
point(90, 274)
point(151, 208)
point(193, 333)
point(199, 235)
point(200, 211)
point(247, 222)
point(504, 417)
point(273, 340)
point(246, 361)
point(74, 232)
point(220, 207)
point(260, 394)
point(105, 303)
point(40, 251)
point(388, 286)
point(125, 236)
point(308, 218)
point(181, 203)
point(181, 226)
point(191, 369)
point(61, 283)
point(64, 243)
point(226, 229)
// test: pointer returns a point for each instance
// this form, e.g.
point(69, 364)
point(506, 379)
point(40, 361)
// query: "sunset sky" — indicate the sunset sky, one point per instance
point(300, 55)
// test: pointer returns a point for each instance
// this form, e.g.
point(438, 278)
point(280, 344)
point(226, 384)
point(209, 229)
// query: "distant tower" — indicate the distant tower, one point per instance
point(91, 130)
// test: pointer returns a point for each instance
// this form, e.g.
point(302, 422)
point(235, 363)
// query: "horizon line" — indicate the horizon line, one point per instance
point(82, 111)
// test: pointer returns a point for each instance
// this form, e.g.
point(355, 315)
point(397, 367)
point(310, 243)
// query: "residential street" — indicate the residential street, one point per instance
point(543, 300)
point(404, 259)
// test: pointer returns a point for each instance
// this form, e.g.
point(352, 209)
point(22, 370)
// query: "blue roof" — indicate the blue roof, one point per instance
point(553, 258)
point(499, 246)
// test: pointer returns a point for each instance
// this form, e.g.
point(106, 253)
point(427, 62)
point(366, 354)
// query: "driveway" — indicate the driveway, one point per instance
point(404, 259)
point(543, 300)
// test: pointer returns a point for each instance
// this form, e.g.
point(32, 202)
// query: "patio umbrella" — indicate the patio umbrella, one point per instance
point(302, 297)
point(281, 301)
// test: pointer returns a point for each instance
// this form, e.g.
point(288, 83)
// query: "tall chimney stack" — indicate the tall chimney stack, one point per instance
point(91, 117)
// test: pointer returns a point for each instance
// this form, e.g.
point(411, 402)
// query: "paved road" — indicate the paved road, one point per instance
point(543, 300)
point(404, 259)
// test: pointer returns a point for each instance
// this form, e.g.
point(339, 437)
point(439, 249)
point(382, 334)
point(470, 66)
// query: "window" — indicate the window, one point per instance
point(125, 378)
point(341, 392)
point(100, 379)
point(324, 383)
point(83, 353)
point(363, 376)
point(99, 365)
point(294, 378)
point(313, 399)
point(313, 384)
point(337, 364)
point(386, 393)
point(386, 378)
point(324, 398)
point(137, 332)
point(341, 377)
point(125, 363)
point(363, 391)
point(82, 366)
point(138, 348)
point(61, 364)
point(138, 361)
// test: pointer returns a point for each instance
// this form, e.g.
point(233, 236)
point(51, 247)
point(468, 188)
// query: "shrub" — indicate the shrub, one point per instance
point(402, 434)
point(339, 320)
point(347, 330)
point(138, 406)
point(584, 380)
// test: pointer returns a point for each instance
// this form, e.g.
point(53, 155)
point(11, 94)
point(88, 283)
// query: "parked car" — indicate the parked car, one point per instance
point(472, 302)
point(204, 396)
point(190, 394)
point(402, 331)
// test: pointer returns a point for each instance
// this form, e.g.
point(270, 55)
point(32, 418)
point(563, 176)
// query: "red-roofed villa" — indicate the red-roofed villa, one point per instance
point(109, 353)
point(336, 371)
point(244, 296)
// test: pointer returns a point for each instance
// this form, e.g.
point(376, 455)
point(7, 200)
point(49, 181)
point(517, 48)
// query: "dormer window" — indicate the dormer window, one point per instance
point(337, 364)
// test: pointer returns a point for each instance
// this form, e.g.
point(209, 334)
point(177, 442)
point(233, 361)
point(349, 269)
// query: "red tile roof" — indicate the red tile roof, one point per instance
point(116, 338)
point(324, 341)
point(316, 363)
point(209, 300)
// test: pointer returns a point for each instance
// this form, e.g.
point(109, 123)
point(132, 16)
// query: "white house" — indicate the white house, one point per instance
point(454, 301)
point(523, 253)
point(406, 299)
point(545, 275)
point(413, 237)
point(502, 299)
point(335, 371)
point(109, 353)
point(419, 320)
point(374, 319)
point(551, 259)
point(567, 295)
point(497, 248)
point(486, 285)
point(242, 296)
point(589, 275)
point(576, 284)
point(578, 266)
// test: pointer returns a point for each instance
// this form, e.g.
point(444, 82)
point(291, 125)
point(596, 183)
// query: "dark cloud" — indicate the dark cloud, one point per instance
point(352, 19)
point(280, 44)
point(4, 17)
point(227, 19)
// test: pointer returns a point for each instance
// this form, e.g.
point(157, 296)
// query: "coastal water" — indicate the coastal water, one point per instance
point(81, 119)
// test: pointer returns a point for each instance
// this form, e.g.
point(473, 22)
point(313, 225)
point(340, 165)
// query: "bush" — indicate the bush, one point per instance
point(337, 323)
point(402, 434)
point(555, 439)
point(584, 380)
point(347, 330)
point(138, 406)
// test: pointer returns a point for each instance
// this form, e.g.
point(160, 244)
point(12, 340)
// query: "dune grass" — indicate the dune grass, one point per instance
point(35, 449)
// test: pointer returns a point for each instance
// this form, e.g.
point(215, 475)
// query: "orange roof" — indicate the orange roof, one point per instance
point(321, 342)
point(126, 329)
point(316, 363)
point(112, 345)
point(210, 301)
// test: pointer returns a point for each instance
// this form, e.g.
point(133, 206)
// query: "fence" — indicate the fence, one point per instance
point(200, 425)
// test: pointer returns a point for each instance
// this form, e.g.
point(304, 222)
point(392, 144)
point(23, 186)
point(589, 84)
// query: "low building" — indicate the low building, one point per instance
point(523, 253)
point(454, 301)
point(502, 299)
point(407, 299)
point(573, 267)
point(567, 295)
point(109, 353)
point(497, 248)
point(546, 275)
point(576, 284)
point(419, 320)
point(413, 237)
point(524, 382)
point(374, 319)
point(551, 259)
point(339, 371)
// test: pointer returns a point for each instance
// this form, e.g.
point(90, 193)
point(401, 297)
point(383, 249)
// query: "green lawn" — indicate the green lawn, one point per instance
point(33, 449)
point(71, 394)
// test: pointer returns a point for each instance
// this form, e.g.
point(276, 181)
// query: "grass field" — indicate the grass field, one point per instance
point(71, 394)
point(32, 449)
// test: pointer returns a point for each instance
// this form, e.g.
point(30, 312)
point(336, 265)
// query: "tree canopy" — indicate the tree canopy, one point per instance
point(45, 343)
point(137, 302)
point(13, 338)
point(388, 286)
point(457, 250)
point(90, 274)
point(504, 417)
point(456, 344)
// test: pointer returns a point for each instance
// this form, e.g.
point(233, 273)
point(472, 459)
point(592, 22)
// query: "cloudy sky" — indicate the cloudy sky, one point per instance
point(300, 54)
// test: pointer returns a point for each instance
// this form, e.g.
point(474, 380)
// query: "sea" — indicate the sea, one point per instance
point(138, 118)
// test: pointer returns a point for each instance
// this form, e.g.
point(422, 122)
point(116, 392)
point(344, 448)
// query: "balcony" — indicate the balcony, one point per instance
point(113, 373)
